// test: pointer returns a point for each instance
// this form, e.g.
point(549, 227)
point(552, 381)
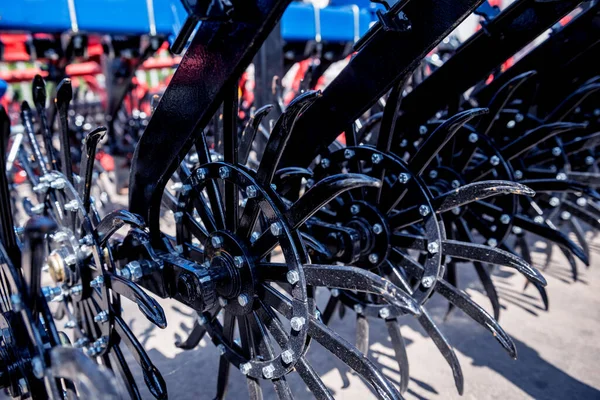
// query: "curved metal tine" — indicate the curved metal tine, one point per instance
point(555, 185)
point(147, 304)
point(337, 345)
point(212, 189)
point(582, 213)
point(332, 304)
point(521, 242)
point(38, 91)
point(572, 102)
point(572, 263)
point(439, 137)
point(249, 133)
point(436, 335)
point(273, 151)
point(452, 279)
point(7, 232)
point(64, 95)
point(154, 380)
point(323, 192)
point(195, 336)
point(86, 168)
point(368, 125)
point(581, 144)
point(114, 221)
point(27, 119)
point(362, 334)
point(92, 381)
point(500, 99)
point(315, 245)
point(264, 348)
point(459, 197)
point(224, 365)
point(118, 359)
point(535, 136)
point(195, 228)
point(254, 390)
point(589, 178)
point(399, 346)
point(304, 369)
point(462, 301)
point(530, 225)
point(577, 229)
point(345, 277)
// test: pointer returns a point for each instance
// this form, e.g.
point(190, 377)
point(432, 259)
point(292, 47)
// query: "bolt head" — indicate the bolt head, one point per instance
point(373, 258)
point(424, 210)
point(581, 202)
point(297, 323)
point(403, 178)
point(293, 277)
point(58, 184)
point(224, 172)
point(358, 308)
point(376, 158)
point(377, 229)
point(455, 184)
point(222, 301)
point(97, 282)
point(433, 247)
point(348, 154)
point(433, 174)
point(245, 368)
point(238, 261)
point(72, 206)
point(216, 241)
point(76, 290)
point(561, 176)
point(135, 270)
point(589, 160)
point(556, 151)
point(517, 230)
point(287, 356)
point(41, 187)
point(518, 174)
point(268, 371)
point(519, 117)
point(384, 313)
point(456, 210)
point(222, 350)
point(511, 124)
point(355, 209)
point(325, 163)
point(492, 242)
point(427, 281)
point(201, 173)
point(178, 216)
point(276, 229)
point(335, 292)
point(504, 219)
point(38, 209)
point(70, 324)
point(473, 137)
point(251, 192)
point(565, 215)
point(101, 317)
point(202, 319)
point(494, 160)
point(422, 130)
point(539, 219)
point(254, 237)
point(554, 201)
point(403, 143)
point(243, 300)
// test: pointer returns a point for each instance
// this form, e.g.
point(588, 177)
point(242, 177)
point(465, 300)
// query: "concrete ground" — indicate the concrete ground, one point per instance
point(558, 351)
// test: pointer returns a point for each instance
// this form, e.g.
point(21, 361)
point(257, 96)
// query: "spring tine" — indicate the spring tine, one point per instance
point(390, 116)
point(458, 197)
point(86, 168)
point(304, 369)
point(332, 303)
point(38, 89)
point(500, 99)
point(572, 263)
point(288, 173)
point(452, 279)
point(582, 213)
point(280, 135)
point(362, 334)
point(154, 380)
point(214, 195)
point(230, 153)
point(572, 102)
point(147, 305)
point(399, 346)
point(254, 389)
point(27, 119)
point(114, 221)
point(7, 232)
point(438, 138)
point(119, 361)
point(486, 254)
point(577, 229)
point(315, 246)
point(535, 136)
point(224, 365)
point(92, 381)
point(194, 337)
point(550, 234)
point(250, 131)
point(323, 192)
point(589, 178)
point(555, 185)
point(64, 95)
point(368, 126)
